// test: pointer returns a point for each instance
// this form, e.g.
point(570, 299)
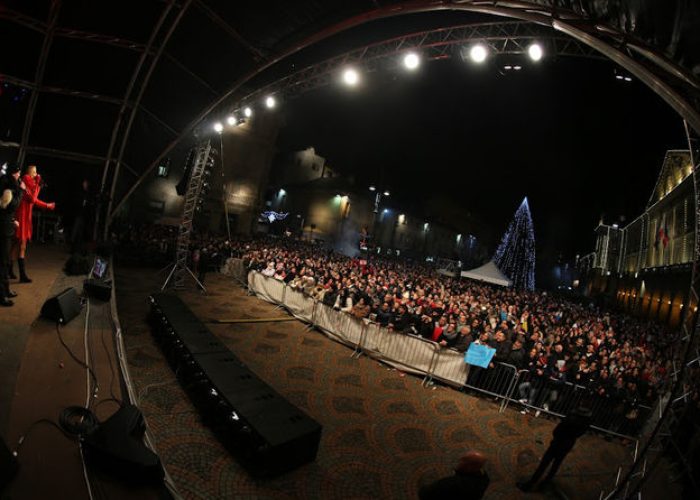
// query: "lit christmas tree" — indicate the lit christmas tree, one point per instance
point(515, 256)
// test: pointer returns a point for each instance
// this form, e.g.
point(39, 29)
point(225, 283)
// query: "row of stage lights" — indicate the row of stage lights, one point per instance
point(477, 53)
point(232, 120)
point(411, 61)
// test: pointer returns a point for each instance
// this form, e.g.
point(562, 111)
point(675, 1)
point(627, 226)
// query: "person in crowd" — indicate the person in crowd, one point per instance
point(449, 336)
point(10, 195)
point(469, 481)
point(565, 435)
point(626, 359)
point(31, 185)
point(360, 310)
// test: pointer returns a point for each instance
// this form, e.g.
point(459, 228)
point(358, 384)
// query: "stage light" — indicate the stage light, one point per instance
point(411, 61)
point(218, 127)
point(231, 120)
point(351, 77)
point(248, 112)
point(372, 188)
point(478, 53)
point(517, 68)
point(270, 102)
point(386, 193)
point(628, 79)
point(535, 52)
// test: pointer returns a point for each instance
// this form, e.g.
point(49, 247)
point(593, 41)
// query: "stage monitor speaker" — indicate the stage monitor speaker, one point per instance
point(101, 290)
point(63, 307)
point(116, 446)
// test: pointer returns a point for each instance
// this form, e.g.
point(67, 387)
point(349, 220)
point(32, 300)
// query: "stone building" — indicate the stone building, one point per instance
point(645, 266)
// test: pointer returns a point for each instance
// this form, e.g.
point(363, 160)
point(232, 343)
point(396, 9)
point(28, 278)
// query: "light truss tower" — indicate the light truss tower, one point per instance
point(515, 256)
point(202, 161)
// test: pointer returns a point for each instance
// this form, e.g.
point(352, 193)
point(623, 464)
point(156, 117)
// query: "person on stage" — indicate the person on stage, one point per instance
point(10, 195)
point(31, 183)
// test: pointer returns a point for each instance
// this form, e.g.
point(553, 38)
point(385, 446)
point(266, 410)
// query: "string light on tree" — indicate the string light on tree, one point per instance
point(515, 256)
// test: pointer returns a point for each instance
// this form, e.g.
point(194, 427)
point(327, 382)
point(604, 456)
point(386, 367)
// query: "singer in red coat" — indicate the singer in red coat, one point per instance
point(31, 184)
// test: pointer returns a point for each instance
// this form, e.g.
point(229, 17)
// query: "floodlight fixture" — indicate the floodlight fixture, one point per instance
point(270, 102)
point(478, 53)
point(351, 77)
point(372, 188)
point(231, 120)
point(411, 61)
point(218, 127)
point(535, 52)
point(248, 112)
point(386, 193)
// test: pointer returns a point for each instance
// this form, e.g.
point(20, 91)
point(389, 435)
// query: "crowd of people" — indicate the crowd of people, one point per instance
point(550, 338)
point(613, 355)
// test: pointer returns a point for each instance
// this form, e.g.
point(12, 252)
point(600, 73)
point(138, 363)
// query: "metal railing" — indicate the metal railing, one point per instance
point(414, 354)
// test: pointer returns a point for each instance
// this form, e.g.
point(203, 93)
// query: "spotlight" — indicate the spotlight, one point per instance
point(628, 79)
point(386, 193)
point(248, 112)
point(218, 127)
point(411, 61)
point(351, 77)
point(270, 102)
point(517, 68)
point(372, 188)
point(231, 120)
point(478, 53)
point(535, 52)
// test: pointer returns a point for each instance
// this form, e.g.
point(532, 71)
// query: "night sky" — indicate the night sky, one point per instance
point(567, 134)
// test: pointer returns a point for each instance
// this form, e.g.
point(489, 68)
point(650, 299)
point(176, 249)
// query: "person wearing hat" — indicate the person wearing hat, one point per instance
point(10, 196)
point(31, 182)
point(469, 481)
point(564, 438)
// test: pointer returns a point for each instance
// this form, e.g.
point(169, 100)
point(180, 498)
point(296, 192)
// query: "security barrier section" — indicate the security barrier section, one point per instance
point(426, 358)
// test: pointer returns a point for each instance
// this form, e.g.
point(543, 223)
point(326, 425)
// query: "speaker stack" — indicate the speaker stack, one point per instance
point(267, 433)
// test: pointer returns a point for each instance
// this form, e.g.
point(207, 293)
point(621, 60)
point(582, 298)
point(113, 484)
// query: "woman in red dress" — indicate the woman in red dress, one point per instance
point(31, 183)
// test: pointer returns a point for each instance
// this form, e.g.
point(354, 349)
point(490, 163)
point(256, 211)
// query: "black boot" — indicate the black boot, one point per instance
point(11, 274)
point(23, 278)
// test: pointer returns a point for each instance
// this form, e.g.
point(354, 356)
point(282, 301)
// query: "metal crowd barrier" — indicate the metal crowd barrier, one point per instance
point(427, 358)
point(609, 414)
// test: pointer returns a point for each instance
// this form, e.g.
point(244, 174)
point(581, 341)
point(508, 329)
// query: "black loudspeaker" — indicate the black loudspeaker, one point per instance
point(116, 447)
point(101, 290)
point(63, 307)
point(268, 434)
point(8, 465)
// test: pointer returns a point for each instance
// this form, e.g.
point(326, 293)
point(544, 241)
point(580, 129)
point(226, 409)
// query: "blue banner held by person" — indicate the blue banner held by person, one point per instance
point(479, 355)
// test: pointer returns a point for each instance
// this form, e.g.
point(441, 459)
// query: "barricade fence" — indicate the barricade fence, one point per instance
point(420, 356)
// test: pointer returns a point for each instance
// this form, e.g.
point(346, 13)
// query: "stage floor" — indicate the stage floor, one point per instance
point(39, 379)
point(384, 434)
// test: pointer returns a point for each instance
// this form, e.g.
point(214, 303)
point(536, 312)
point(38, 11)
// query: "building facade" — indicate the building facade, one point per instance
point(645, 267)
point(336, 211)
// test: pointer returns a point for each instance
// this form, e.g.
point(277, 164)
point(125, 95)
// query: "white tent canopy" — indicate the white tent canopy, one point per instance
point(489, 273)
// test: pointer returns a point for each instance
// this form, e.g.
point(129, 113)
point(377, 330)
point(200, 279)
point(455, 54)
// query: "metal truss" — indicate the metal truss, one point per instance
point(502, 38)
point(674, 84)
point(202, 163)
